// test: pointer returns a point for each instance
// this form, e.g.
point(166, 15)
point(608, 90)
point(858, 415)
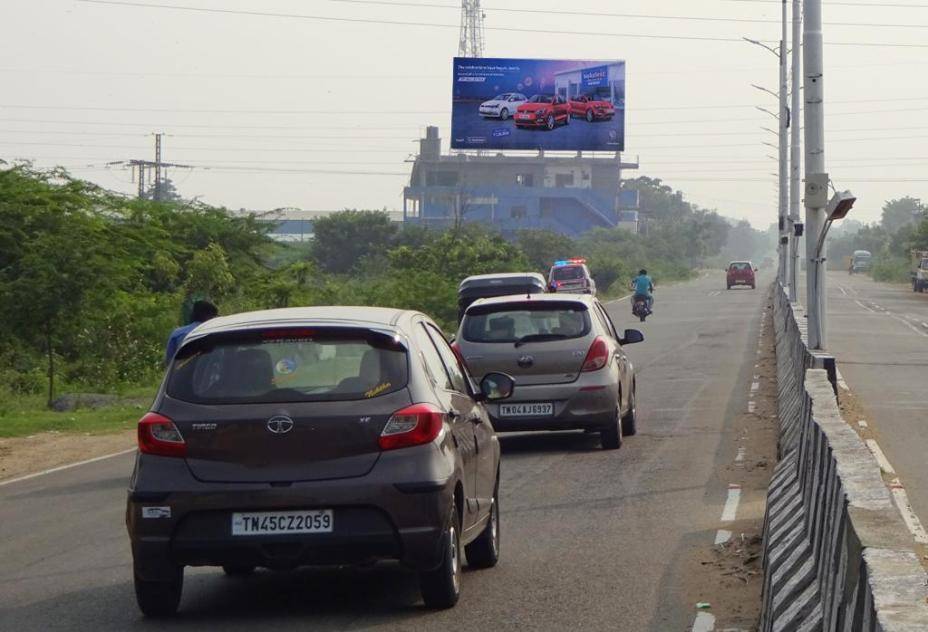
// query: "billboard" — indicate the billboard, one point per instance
point(551, 104)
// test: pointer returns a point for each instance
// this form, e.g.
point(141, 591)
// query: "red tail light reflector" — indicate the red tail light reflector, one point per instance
point(414, 425)
point(158, 435)
point(597, 357)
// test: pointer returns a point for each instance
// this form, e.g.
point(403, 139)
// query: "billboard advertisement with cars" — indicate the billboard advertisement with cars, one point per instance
point(551, 104)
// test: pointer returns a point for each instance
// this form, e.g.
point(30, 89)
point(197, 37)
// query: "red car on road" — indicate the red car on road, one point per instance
point(591, 109)
point(543, 110)
point(741, 273)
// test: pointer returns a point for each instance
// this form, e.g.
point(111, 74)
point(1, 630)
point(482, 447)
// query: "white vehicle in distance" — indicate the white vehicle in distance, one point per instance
point(502, 105)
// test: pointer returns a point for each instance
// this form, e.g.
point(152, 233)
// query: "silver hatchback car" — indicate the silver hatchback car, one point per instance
point(566, 357)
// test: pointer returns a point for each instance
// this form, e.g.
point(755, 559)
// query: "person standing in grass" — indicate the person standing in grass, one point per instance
point(202, 312)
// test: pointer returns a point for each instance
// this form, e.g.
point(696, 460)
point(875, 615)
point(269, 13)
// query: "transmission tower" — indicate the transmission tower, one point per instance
point(143, 166)
point(471, 44)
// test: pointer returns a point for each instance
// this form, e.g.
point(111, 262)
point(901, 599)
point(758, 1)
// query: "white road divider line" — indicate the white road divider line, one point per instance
point(730, 511)
point(66, 467)
point(705, 622)
point(863, 424)
point(618, 299)
point(722, 536)
point(740, 456)
point(881, 459)
point(865, 307)
point(755, 386)
point(908, 515)
point(841, 381)
point(752, 406)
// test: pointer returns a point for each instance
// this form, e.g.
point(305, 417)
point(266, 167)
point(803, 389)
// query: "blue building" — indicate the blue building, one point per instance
point(568, 195)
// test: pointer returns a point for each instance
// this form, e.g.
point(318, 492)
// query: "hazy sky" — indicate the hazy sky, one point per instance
point(266, 102)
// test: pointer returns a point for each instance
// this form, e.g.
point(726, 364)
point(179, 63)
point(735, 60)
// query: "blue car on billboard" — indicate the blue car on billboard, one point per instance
point(486, 89)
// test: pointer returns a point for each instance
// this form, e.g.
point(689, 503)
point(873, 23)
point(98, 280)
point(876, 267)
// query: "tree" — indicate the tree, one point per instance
point(64, 261)
point(167, 192)
point(902, 212)
point(342, 239)
point(544, 247)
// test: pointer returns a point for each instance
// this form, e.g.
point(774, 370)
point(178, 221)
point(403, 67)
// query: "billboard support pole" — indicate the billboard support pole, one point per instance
point(783, 221)
point(795, 153)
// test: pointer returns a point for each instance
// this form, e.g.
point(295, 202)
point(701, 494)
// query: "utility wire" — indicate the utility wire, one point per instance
point(601, 14)
point(323, 18)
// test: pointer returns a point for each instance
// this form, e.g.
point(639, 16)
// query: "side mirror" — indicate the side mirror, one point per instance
point(631, 336)
point(496, 386)
point(756, 270)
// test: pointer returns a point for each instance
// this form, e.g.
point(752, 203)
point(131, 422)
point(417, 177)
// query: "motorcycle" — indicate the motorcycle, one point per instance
point(640, 308)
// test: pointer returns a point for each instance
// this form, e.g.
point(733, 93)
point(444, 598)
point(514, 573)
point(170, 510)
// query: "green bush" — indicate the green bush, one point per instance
point(891, 270)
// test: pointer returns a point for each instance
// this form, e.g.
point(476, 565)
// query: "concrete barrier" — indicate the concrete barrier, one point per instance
point(837, 555)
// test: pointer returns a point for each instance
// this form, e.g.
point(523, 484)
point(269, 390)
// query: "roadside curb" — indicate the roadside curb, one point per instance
point(837, 555)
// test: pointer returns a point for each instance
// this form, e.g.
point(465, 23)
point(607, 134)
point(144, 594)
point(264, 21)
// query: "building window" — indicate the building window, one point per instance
point(441, 179)
point(518, 212)
point(525, 180)
point(562, 180)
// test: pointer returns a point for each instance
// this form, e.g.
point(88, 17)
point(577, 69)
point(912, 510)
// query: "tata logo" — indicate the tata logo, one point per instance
point(526, 361)
point(279, 424)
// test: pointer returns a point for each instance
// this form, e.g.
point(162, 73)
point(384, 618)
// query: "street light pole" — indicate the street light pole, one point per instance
point(784, 168)
point(816, 193)
point(795, 153)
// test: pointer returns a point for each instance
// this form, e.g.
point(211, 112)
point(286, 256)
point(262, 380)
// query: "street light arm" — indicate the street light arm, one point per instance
point(762, 45)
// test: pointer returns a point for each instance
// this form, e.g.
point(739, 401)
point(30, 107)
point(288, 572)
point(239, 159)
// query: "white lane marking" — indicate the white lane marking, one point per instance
point(722, 536)
point(907, 324)
point(618, 299)
point(865, 307)
point(843, 291)
point(66, 467)
point(908, 515)
point(740, 456)
point(881, 459)
point(731, 503)
point(755, 386)
point(704, 622)
point(841, 381)
point(863, 424)
point(752, 406)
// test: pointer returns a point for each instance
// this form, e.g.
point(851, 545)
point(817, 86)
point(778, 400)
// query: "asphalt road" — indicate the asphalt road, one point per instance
point(591, 540)
point(879, 334)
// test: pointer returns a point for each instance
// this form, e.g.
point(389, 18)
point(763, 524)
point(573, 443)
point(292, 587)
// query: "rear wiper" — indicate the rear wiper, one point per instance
point(539, 338)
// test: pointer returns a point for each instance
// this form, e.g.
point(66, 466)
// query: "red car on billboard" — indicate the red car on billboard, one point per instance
point(591, 109)
point(543, 110)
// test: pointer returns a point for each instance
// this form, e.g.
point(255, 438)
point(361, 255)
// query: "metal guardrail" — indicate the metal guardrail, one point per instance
point(837, 555)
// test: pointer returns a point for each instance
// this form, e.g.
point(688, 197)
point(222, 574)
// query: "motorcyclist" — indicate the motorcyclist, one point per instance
point(643, 286)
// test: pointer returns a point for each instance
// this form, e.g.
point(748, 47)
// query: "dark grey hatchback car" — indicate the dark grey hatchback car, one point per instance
point(315, 436)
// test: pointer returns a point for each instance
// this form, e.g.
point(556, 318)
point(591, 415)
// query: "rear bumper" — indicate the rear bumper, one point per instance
point(371, 521)
point(574, 409)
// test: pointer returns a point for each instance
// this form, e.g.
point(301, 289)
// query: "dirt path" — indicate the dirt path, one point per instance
point(21, 456)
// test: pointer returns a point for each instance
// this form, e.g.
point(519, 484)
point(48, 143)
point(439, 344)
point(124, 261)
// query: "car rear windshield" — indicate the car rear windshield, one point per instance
point(540, 98)
point(740, 266)
point(567, 273)
point(512, 323)
point(289, 365)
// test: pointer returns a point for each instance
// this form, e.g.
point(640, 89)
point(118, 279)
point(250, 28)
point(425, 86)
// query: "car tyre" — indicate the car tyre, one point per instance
point(158, 599)
point(441, 587)
point(504, 114)
point(630, 420)
point(550, 122)
point(753, 287)
point(238, 570)
point(611, 436)
point(589, 116)
point(484, 551)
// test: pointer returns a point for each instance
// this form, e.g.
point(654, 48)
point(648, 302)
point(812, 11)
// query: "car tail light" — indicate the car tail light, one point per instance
point(158, 435)
point(414, 425)
point(597, 357)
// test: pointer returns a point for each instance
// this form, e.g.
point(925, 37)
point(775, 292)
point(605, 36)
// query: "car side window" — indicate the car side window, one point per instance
point(603, 323)
point(611, 325)
point(449, 360)
point(432, 360)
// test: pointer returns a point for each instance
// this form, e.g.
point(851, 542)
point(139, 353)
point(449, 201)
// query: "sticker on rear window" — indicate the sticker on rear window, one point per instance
point(377, 390)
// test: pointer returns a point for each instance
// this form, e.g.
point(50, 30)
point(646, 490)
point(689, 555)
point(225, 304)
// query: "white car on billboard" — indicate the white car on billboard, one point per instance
point(502, 106)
